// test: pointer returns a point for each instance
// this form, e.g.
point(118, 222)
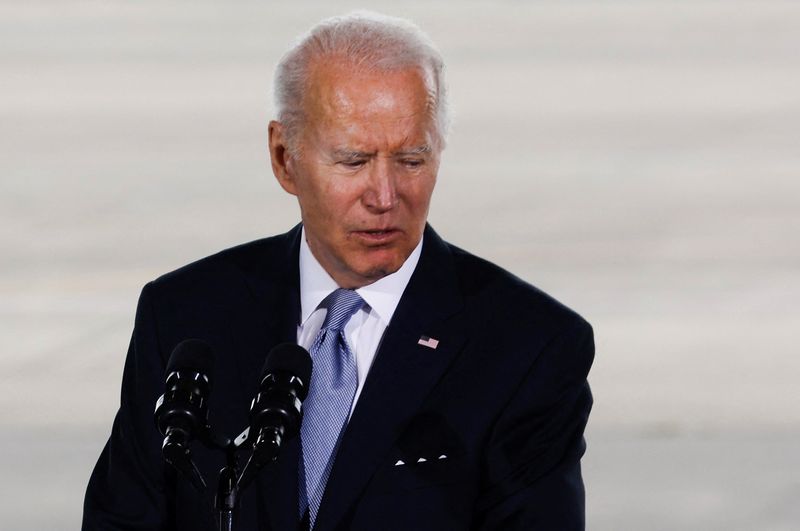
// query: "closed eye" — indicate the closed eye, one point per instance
point(412, 163)
point(352, 164)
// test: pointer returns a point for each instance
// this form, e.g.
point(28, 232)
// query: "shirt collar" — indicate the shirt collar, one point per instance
point(382, 296)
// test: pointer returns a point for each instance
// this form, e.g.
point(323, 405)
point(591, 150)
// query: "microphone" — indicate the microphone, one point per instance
point(182, 411)
point(275, 412)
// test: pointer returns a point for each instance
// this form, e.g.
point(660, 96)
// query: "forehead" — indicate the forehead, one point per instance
point(350, 101)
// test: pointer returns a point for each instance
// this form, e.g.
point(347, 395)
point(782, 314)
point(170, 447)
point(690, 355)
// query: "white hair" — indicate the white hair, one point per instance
point(369, 41)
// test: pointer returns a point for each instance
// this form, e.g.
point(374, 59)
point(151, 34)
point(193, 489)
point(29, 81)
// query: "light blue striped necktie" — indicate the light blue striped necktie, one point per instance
point(334, 379)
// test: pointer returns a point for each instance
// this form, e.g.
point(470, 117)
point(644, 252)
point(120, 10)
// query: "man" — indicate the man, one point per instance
point(449, 394)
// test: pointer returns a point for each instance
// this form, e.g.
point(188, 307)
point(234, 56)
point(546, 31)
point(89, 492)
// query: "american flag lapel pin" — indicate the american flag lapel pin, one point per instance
point(429, 342)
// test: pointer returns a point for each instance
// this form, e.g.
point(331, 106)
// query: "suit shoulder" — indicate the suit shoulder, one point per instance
point(505, 295)
point(262, 256)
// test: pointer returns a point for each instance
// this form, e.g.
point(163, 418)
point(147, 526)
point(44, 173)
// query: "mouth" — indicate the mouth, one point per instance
point(377, 236)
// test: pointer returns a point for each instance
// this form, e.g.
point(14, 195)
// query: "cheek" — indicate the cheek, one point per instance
point(418, 194)
point(314, 195)
point(342, 196)
point(333, 207)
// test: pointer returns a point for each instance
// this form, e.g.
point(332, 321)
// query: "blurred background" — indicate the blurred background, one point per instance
point(638, 160)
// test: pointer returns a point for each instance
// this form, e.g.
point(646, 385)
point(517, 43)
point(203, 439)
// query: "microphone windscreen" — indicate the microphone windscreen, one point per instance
point(292, 359)
point(192, 354)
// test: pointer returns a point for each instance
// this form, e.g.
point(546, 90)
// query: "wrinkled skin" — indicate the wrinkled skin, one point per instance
point(365, 169)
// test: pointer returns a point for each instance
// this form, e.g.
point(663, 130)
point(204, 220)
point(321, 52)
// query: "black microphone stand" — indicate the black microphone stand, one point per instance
point(231, 482)
point(227, 500)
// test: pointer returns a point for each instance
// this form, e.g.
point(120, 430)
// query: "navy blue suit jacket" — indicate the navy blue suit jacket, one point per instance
point(503, 397)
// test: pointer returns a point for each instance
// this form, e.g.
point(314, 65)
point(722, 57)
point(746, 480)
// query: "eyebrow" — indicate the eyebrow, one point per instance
point(350, 153)
point(419, 150)
point(347, 154)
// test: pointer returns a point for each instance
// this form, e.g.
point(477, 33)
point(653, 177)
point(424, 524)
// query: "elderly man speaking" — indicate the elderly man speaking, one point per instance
point(445, 393)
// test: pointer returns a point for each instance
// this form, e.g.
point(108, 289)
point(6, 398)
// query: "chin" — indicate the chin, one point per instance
point(376, 272)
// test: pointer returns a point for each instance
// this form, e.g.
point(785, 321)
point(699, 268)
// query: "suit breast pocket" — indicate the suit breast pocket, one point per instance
point(417, 473)
point(428, 453)
point(431, 495)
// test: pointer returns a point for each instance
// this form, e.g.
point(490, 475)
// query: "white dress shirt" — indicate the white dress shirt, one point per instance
point(365, 329)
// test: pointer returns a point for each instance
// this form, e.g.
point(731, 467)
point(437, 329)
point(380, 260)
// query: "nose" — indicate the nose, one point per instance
point(381, 193)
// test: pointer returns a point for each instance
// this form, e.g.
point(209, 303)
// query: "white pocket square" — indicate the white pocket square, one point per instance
point(400, 462)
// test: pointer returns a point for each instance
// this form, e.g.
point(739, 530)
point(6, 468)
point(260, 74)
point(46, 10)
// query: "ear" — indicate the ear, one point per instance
point(282, 163)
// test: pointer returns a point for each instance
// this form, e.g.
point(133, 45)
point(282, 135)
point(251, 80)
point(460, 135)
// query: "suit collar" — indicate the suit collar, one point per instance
point(273, 278)
point(432, 293)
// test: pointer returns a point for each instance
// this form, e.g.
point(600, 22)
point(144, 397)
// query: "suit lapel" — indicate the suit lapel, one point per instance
point(273, 280)
point(271, 277)
point(401, 376)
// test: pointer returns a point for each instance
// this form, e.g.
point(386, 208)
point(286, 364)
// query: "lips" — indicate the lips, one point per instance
point(377, 236)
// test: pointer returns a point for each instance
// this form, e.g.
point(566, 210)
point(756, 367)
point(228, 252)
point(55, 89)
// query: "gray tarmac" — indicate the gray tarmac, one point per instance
point(640, 161)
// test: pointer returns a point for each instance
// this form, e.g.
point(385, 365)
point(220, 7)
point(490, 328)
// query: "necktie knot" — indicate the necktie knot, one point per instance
point(341, 305)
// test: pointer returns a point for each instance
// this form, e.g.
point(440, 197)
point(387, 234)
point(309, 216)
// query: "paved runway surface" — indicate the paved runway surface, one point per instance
point(638, 160)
